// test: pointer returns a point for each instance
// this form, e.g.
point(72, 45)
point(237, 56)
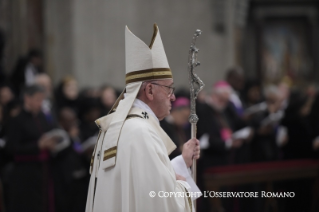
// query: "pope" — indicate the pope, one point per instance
point(130, 164)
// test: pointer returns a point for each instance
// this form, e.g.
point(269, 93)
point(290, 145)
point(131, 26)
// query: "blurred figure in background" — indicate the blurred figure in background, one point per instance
point(91, 92)
point(69, 122)
point(314, 120)
point(26, 69)
point(252, 93)
point(266, 143)
point(284, 92)
point(7, 111)
point(176, 125)
point(235, 78)
point(252, 100)
point(89, 112)
point(301, 119)
point(6, 95)
point(107, 99)
point(29, 187)
point(44, 81)
point(202, 96)
point(9, 108)
point(3, 77)
point(69, 170)
point(67, 94)
point(216, 126)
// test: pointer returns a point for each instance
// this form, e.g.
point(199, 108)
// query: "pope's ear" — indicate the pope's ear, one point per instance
point(149, 89)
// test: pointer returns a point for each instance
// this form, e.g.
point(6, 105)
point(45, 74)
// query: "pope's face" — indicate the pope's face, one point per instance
point(162, 98)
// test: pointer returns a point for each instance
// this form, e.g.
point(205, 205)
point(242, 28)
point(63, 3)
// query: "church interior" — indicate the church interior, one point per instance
point(258, 113)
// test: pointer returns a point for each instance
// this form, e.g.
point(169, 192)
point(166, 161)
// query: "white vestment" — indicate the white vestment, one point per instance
point(142, 166)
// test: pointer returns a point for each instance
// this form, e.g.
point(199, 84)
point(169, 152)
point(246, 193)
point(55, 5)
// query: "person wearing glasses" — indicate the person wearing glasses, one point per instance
point(130, 167)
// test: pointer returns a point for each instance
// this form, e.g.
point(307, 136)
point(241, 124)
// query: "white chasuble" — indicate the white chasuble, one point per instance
point(142, 179)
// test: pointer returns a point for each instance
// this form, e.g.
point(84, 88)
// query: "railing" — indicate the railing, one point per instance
point(266, 172)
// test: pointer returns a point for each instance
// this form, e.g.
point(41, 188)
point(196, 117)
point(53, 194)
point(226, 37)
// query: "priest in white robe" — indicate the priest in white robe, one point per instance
point(130, 167)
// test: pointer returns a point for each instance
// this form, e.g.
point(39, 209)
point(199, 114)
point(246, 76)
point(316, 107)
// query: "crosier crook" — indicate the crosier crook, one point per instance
point(196, 85)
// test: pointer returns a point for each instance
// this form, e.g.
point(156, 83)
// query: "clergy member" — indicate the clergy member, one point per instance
point(130, 167)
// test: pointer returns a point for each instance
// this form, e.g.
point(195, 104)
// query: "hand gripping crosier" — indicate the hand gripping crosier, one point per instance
point(196, 85)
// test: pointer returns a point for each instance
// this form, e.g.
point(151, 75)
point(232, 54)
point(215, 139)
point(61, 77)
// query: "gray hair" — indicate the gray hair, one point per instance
point(32, 89)
point(143, 86)
point(271, 89)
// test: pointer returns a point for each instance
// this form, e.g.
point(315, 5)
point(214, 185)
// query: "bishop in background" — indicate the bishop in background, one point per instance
point(130, 159)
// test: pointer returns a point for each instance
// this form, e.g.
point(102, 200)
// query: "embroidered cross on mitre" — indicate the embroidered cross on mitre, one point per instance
point(145, 115)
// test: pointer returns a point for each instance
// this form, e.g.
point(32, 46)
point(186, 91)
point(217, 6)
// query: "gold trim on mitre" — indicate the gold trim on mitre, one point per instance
point(148, 74)
point(154, 36)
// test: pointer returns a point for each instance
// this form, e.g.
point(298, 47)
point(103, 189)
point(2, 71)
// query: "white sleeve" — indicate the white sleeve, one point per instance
point(180, 168)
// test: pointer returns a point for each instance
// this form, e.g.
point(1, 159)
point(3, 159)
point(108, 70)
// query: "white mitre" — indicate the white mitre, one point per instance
point(143, 63)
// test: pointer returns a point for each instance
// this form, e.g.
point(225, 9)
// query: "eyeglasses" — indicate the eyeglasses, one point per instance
point(171, 89)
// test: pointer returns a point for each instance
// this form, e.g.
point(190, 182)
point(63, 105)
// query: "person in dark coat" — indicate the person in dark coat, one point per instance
point(252, 93)
point(70, 172)
point(30, 187)
point(3, 76)
point(107, 99)
point(301, 119)
point(26, 69)
point(89, 112)
point(67, 95)
point(265, 144)
point(48, 106)
point(217, 122)
point(314, 121)
point(236, 79)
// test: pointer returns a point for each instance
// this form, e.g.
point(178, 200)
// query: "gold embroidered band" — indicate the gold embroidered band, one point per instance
point(94, 151)
point(133, 116)
point(92, 161)
point(148, 74)
point(109, 153)
point(189, 199)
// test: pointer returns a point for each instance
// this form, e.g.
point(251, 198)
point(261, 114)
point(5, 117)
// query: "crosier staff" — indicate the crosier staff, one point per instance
point(196, 85)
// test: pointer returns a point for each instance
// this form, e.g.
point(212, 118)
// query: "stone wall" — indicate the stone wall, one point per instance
point(86, 38)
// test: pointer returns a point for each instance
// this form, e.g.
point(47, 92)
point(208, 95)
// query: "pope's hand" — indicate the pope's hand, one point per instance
point(191, 150)
point(180, 177)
